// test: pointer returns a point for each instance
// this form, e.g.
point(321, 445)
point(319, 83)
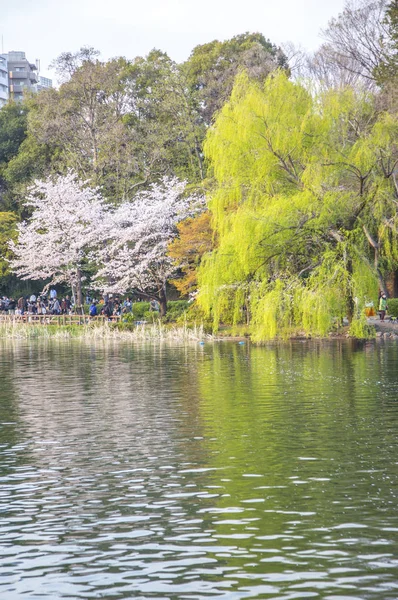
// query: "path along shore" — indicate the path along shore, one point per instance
point(384, 329)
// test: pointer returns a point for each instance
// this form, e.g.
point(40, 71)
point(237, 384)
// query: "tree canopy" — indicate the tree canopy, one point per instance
point(211, 68)
point(388, 68)
point(66, 221)
point(304, 206)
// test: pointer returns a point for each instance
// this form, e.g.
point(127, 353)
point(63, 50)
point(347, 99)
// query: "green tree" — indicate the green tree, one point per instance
point(82, 124)
point(122, 124)
point(163, 117)
point(211, 68)
point(8, 231)
point(13, 126)
point(388, 69)
point(304, 206)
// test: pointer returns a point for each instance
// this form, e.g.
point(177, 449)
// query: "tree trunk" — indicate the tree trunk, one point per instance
point(73, 288)
point(79, 295)
point(200, 161)
point(163, 301)
point(376, 245)
point(350, 300)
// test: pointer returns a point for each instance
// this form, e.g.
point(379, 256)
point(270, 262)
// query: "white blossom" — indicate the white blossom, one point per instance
point(71, 226)
point(139, 234)
point(67, 218)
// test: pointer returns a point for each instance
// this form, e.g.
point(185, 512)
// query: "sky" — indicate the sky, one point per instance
point(130, 28)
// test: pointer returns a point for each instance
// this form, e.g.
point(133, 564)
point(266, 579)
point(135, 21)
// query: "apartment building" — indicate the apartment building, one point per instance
point(44, 83)
point(22, 75)
point(18, 76)
point(3, 80)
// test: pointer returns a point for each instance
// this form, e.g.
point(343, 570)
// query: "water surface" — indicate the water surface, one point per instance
point(221, 472)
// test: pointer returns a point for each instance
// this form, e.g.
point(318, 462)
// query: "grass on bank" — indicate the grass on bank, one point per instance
point(153, 331)
point(183, 322)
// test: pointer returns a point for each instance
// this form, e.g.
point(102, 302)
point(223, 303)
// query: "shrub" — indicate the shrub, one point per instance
point(151, 316)
point(360, 329)
point(139, 309)
point(176, 310)
point(392, 304)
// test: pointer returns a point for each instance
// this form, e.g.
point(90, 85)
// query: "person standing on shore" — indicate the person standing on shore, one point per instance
point(107, 311)
point(21, 305)
point(56, 308)
point(93, 309)
point(11, 306)
point(382, 306)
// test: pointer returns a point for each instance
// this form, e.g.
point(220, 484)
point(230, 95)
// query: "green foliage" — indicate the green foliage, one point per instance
point(22, 157)
point(147, 316)
point(176, 309)
point(165, 122)
point(139, 309)
point(360, 328)
point(211, 68)
point(392, 304)
point(13, 126)
point(388, 69)
point(120, 123)
point(8, 221)
point(32, 161)
point(303, 207)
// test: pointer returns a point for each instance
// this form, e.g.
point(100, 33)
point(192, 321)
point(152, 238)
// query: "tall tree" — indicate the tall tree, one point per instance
point(13, 131)
point(388, 67)
point(356, 42)
point(123, 124)
point(211, 68)
point(161, 112)
point(305, 206)
point(135, 256)
point(65, 225)
point(195, 238)
point(8, 231)
point(83, 122)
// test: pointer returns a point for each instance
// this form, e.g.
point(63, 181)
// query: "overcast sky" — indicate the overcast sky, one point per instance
point(45, 28)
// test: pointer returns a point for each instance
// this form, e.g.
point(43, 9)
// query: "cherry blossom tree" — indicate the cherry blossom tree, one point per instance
point(135, 257)
point(67, 222)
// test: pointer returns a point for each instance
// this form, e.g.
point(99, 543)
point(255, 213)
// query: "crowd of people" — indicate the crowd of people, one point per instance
point(115, 307)
point(37, 305)
point(111, 307)
point(50, 304)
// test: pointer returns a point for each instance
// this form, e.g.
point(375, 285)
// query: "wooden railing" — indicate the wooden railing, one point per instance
point(57, 319)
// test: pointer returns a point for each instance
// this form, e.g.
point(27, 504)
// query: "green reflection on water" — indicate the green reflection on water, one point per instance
point(310, 460)
point(279, 461)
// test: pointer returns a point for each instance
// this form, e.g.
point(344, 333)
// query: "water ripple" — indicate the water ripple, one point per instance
point(227, 472)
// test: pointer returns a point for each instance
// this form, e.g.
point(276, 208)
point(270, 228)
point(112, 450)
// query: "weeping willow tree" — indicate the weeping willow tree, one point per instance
point(304, 208)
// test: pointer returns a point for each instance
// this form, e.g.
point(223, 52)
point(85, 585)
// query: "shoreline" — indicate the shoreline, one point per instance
point(14, 329)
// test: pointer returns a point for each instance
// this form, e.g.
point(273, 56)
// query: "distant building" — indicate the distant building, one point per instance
point(22, 75)
point(3, 80)
point(44, 83)
point(18, 76)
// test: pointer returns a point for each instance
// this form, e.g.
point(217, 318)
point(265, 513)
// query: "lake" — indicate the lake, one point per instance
point(221, 471)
